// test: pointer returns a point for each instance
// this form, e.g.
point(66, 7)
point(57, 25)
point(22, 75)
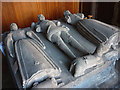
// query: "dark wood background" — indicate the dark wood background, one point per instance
point(24, 13)
point(108, 12)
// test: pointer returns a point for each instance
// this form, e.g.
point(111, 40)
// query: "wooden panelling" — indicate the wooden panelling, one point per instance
point(24, 13)
point(87, 7)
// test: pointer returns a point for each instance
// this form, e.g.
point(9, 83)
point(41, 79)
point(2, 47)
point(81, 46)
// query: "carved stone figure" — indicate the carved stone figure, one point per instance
point(82, 63)
point(26, 48)
point(17, 34)
point(72, 18)
point(59, 34)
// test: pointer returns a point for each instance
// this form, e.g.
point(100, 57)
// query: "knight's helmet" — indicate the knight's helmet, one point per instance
point(41, 17)
point(13, 27)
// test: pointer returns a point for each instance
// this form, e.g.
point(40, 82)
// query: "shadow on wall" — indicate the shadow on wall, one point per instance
point(108, 12)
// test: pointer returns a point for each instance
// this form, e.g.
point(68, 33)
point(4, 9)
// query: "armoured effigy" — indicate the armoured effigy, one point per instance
point(62, 53)
point(107, 41)
point(58, 33)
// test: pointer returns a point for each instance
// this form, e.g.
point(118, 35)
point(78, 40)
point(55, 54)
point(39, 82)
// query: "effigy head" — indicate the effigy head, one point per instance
point(13, 27)
point(67, 13)
point(41, 17)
